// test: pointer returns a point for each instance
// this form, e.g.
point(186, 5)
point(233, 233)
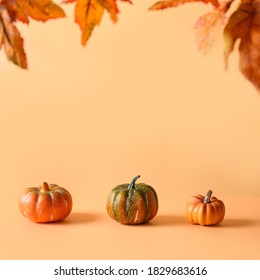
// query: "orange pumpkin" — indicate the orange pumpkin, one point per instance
point(48, 203)
point(132, 203)
point(205, 210)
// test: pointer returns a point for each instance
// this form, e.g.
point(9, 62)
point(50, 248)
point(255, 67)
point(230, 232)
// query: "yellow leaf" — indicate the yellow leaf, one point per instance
point(11, 40)
point(88, 14)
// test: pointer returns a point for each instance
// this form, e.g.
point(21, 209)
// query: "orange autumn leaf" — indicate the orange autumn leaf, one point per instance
point(244, 25)
point(41, 10)
point(67, 1)
point(111, 7)
point(174, 3)
point(22, 10)
point(11, 40)
point(89, 13)
point(129, 1)
point(36, 9)
point(15, 12)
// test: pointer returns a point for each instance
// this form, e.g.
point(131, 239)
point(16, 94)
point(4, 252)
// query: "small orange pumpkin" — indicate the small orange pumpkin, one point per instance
point(205, 210)
point(132, 204)
point(48, 203)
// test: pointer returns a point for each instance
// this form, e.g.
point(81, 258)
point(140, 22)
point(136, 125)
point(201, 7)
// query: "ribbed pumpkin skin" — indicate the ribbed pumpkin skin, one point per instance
point(132, 206)
point(198, 212)
point(44, 206)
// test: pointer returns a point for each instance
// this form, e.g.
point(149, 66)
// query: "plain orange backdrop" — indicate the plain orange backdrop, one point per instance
point(138, 99)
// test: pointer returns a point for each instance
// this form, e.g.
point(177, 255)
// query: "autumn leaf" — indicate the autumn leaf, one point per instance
point(11, 40)
point(244, 25)
point(208, 28)
point(111, 7)
point(22, 10)
point(89, 13)
point(16, 13)
point(129, 1)
point(41, 10)
point(174, 3)
point(67, 1)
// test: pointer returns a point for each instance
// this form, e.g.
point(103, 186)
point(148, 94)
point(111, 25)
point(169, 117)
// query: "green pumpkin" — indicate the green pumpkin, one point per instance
point(132, 203)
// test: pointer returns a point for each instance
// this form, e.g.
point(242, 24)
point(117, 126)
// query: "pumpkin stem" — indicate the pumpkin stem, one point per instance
point(207, 197)
point(132, 185)
point(45, 187)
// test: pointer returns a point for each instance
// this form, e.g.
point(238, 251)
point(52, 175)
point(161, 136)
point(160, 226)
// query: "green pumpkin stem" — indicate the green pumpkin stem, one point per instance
point(132, 185)
point(207, 197)
point(45, 187)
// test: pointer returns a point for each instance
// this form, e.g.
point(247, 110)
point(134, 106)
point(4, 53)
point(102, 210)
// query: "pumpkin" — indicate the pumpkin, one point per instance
point(205, 210)
point(47, 203)
point(132, 203)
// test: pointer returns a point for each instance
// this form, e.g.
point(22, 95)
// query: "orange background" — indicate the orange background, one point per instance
point(138, 99)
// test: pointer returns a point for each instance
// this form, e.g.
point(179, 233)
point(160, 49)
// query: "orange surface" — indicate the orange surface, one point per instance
point(139, 99)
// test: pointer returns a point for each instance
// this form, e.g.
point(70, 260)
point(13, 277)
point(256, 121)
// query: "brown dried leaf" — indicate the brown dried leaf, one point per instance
point(11, 40)
point(244, 25)
point(174, 3)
